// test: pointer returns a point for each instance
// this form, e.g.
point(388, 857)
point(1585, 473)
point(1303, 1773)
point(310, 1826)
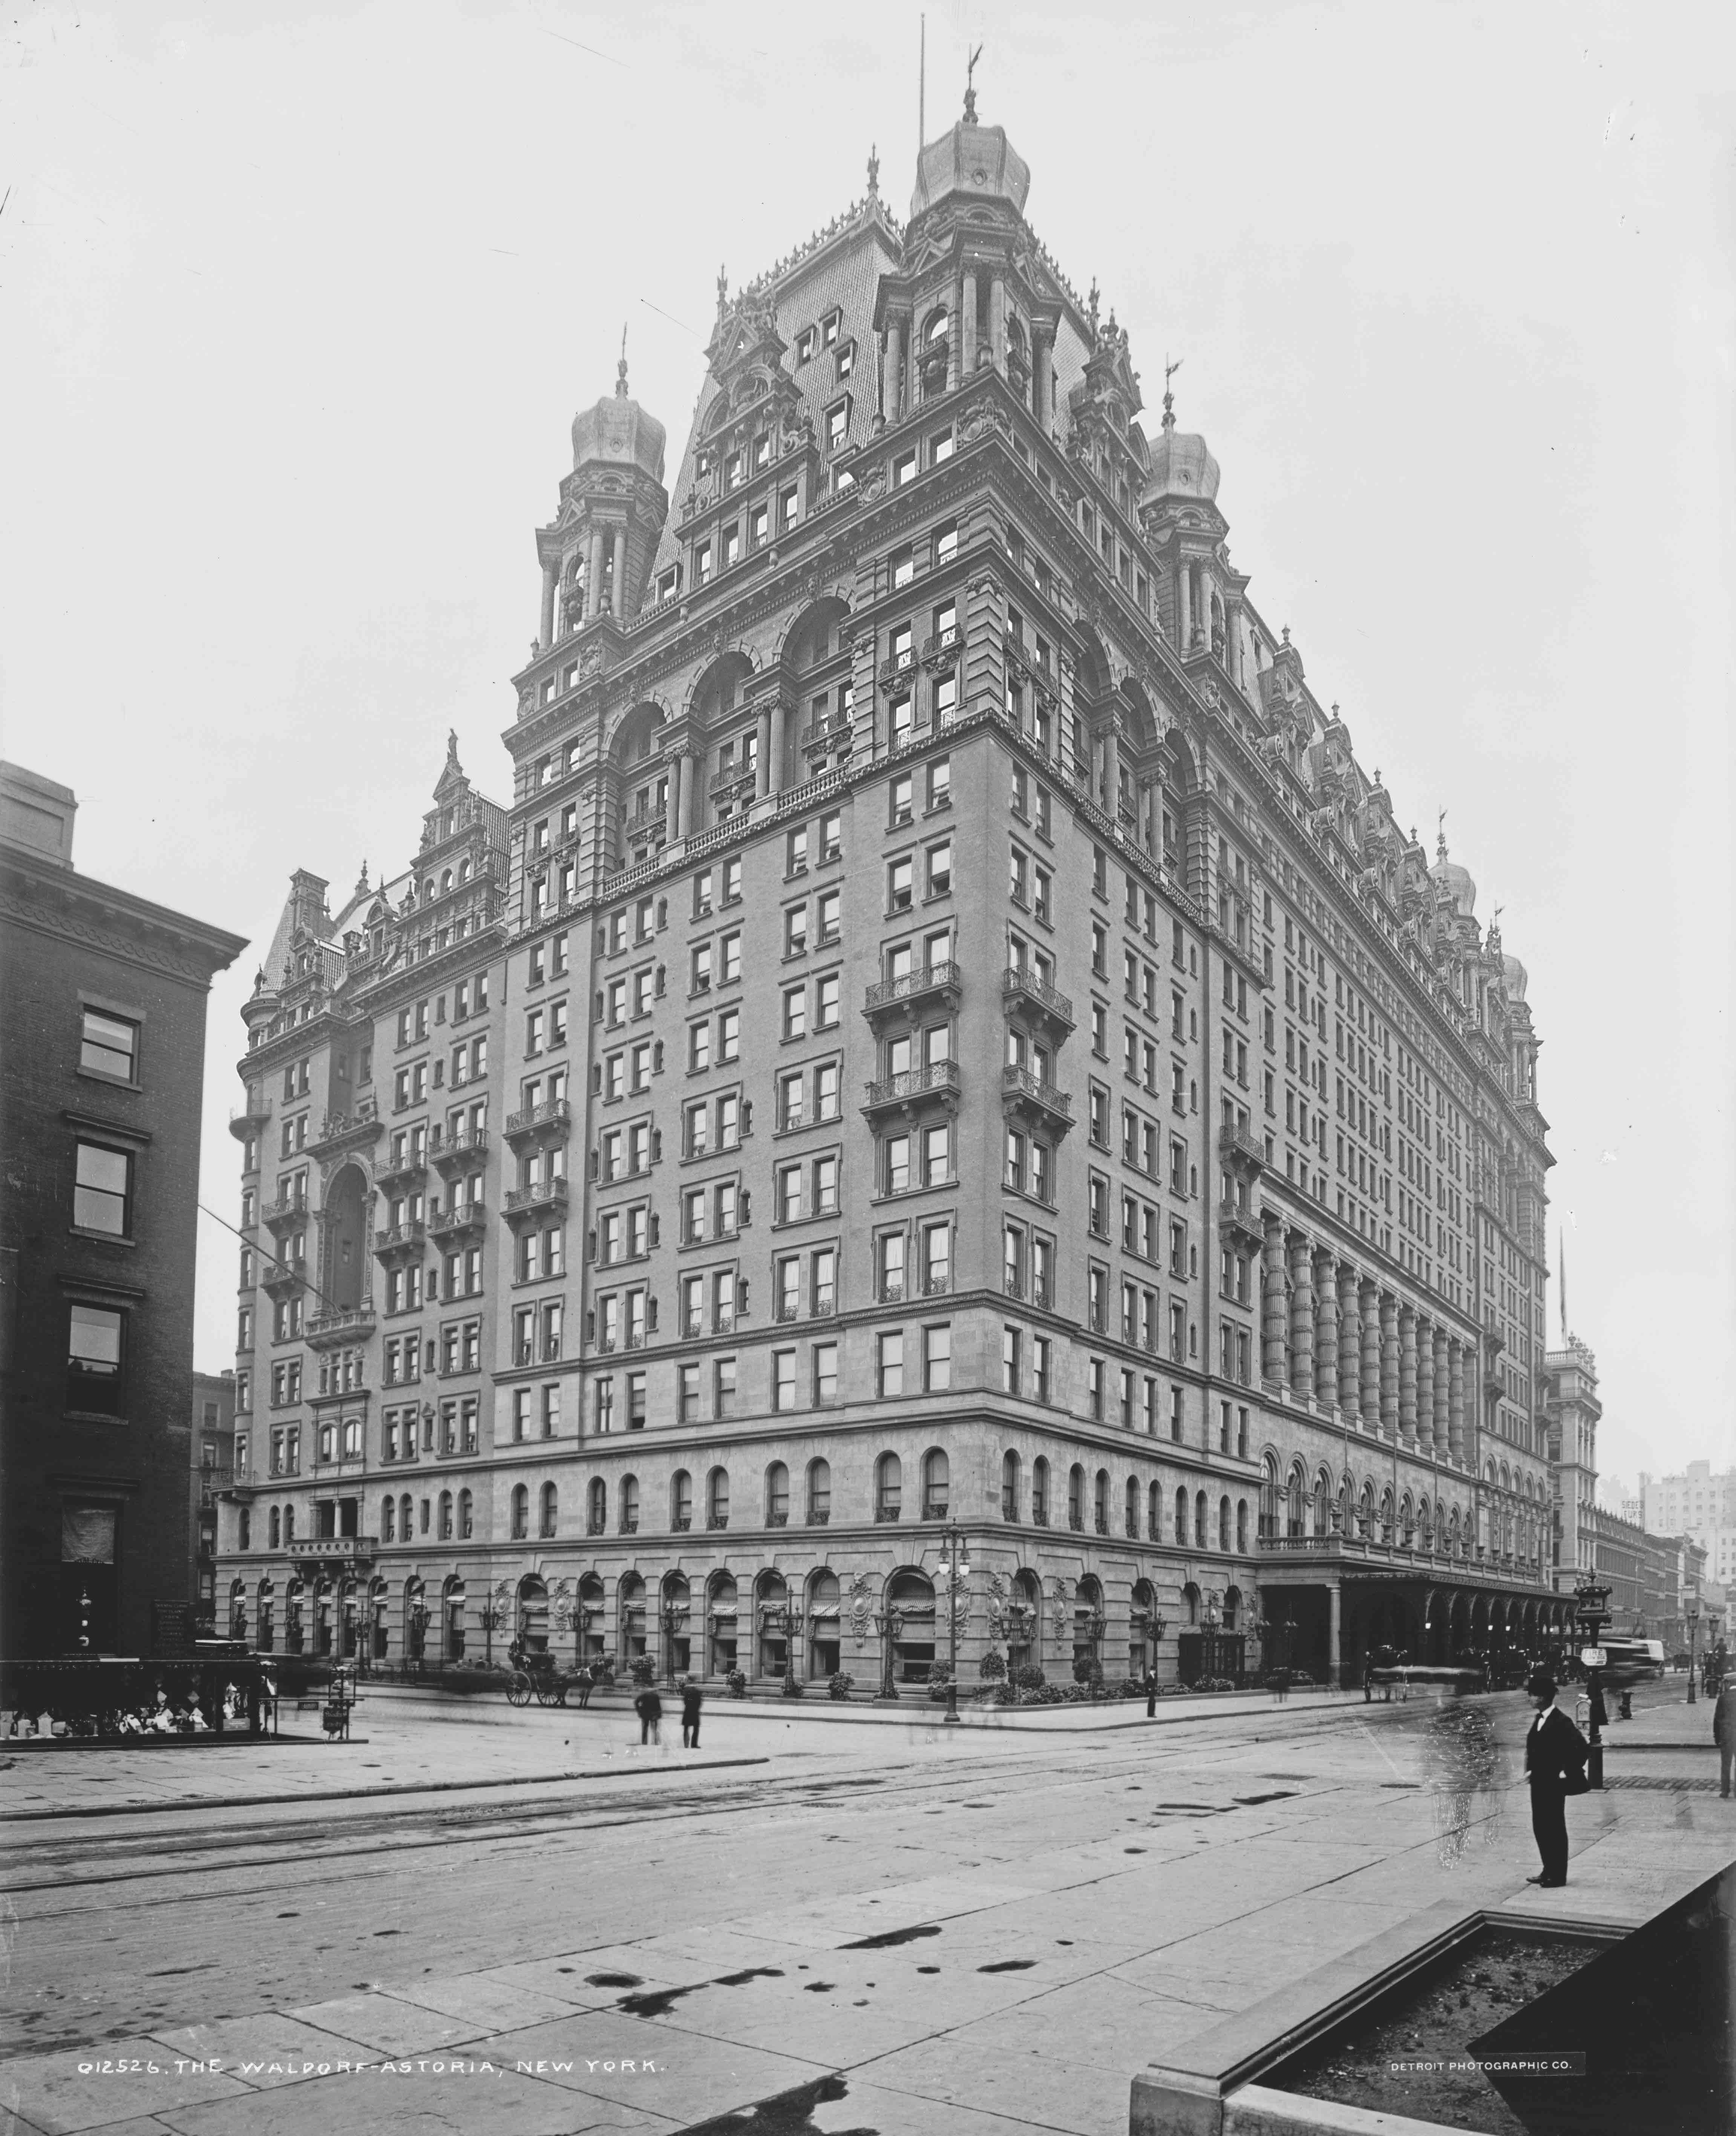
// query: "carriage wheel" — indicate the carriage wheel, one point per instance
point(518, 1690)
point(546, 1693)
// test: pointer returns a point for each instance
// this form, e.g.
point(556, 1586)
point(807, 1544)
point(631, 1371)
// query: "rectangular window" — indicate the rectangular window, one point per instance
point(109, 1045)
point(102, 1193)
point(937, 1359)
point(96, 1361)
point(889, 1364)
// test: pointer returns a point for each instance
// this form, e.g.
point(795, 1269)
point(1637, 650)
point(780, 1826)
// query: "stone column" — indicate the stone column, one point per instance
point(1041, 362)
point(892, 375)
point(551, 583)
point(690, 804)
point(1302, 1316)
point(963, 341)
point(1406, 1374)
point(762, 783)
point(593, 572)
point(1275, 1315)
point(782, 712)
point(1426, 1384)
point(1388, 1366)
point(1444, 1427)
point(1349, 1340)
point(1455, 1441)
point(672, 801)
point(1334, 1631)
point(1368, 1302)
point(619, 592)
point(1325, 1333)
point(1184, 605)
point(1111, 772)
point(998, 322)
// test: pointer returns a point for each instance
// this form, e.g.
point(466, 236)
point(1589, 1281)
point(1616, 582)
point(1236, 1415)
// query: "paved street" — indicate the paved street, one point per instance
point(908, 1929)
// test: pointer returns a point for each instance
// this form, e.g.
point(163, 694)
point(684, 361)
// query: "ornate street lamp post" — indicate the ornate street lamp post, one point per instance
point(1590, 1612)
point(674, 1615)
point(1692, 1643)
point(1208, 1636)
point(492, 1619)
point(888, 1624)
point(953, 1568)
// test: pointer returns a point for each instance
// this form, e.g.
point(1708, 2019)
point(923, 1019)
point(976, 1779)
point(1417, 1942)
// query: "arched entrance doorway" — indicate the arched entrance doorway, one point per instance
point(415, 1619)
point(824, 1623)
point(533, 1613)
point(1088, 1620)
point(345, 1215)
point(910, 1603)
point(593, 1638)
point(349, 1616)
point(1142, 1629)
point(295, 1615)
point(378, 1641)
point(324, 1611)
point(771, 1597)
point(631, 1596)
point(676, 1614)
point(720, 1624)
point(452, 1612)
point(267, 1613)
point(1024, 1623)
point(238, 1609)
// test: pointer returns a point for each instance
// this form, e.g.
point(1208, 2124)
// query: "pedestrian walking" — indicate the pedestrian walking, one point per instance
point(1151, 1692)
point(649, 1706)
point(583, 1681)
point(691, 1696)
point(1556, 1756)
point(1724, 1733)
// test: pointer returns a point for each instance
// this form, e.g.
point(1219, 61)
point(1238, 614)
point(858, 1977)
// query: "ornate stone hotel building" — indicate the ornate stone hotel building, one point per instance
point(947, 1030)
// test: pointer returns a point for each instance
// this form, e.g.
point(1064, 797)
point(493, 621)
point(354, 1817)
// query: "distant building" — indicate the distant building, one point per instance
point(1696, 1502)
point(102, 1049)
point(211, 1447)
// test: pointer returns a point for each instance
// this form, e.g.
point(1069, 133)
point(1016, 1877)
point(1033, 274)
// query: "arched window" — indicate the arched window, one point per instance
point(1232, 1607)
point(1076, 1497)
point(1010, 1486)
point(244, 1541)
point(819, 1493)
point(1242, 1526)
point(1040, 1492)
point(777, 1496)
point(1181, 1516)
point(1132, 1514)
point(1386, 1516)
point(1365, 1511)
point(521, 1511)
point(629, 1497)
point(1269, 1499)
point(1294, 1510)
point(549, 1525)
point(388, 1521)
point(1100, 1502)
point(404, 1520)
point(1223, 1524)
point(681, 1501)
point(717, 1499)
point(1155, 1512)
point(1190, 1602)
point(1322, 1504)
point(466, 1515)
point(937, 1484)
point(444, 1531)
point(1199, 1521)
point(1407, 1522)
point(275, 1524)
point(889, 1487)
point(596, 1507)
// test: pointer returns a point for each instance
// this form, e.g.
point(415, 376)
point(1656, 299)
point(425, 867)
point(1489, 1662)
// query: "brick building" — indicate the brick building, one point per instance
point(211, 1450)
point(102, 1067)
point(964, 1040)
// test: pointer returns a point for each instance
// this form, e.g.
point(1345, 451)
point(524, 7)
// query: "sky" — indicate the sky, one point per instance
point(297, 304)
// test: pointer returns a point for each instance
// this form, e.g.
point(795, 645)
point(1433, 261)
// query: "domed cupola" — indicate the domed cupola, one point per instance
point(1182, 466)
point(971, 162)
point(595, 555)
point(1455, 880)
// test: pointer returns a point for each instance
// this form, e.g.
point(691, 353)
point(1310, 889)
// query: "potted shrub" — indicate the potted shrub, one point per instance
point(737, 1682)
point(940, 1677)
point(992, 1668)
point(839, 1685)
point(643, 1669)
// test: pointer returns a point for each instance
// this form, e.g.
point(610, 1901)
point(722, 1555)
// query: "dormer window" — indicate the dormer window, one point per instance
point(804, 344)
point(837, 425)
point(846, 361)
point(702, 563)
point(829, 329)
point(702, 465)
point(732, 471)
point(762, 450)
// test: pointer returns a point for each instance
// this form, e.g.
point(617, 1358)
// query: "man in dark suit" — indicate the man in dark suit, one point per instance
point(1724, 1733)
point(1556, 1756)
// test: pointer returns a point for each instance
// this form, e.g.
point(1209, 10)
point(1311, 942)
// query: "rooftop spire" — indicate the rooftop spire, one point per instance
point(1440, 836)
point(970, 87)
point(873, 170)
point(1170, 371)
point(620, 369)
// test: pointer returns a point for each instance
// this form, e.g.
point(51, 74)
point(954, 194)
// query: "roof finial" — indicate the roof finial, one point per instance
point(873, 170)
point(1440, 836)
point(1170, 371)
point(1091, 302)
point(970, 87)
point(452, 749)
point(361, 882)
point(722, 289)
point(620, 369)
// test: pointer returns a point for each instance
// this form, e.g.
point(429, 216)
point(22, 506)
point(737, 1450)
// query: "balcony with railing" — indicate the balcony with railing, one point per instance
point(532, 1200)
point(943, 651)
point(456, 1154)
point(284, 1279)
point(1241, 1146)
point(288, 1213)
point(913, 991)
point(1039, 1001)
point(1244, 1221)
point(915, 1090)
point(897, 669)
point(349, 1130)
point(398, 1174)
point(402, 1239)
point(249, 1119)
point(1040, 1101)
point(454, 1222)
point(348, 1323)
point(552, 1121)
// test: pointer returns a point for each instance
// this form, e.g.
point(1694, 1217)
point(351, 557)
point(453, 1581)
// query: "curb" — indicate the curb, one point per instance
point(358, 1794)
